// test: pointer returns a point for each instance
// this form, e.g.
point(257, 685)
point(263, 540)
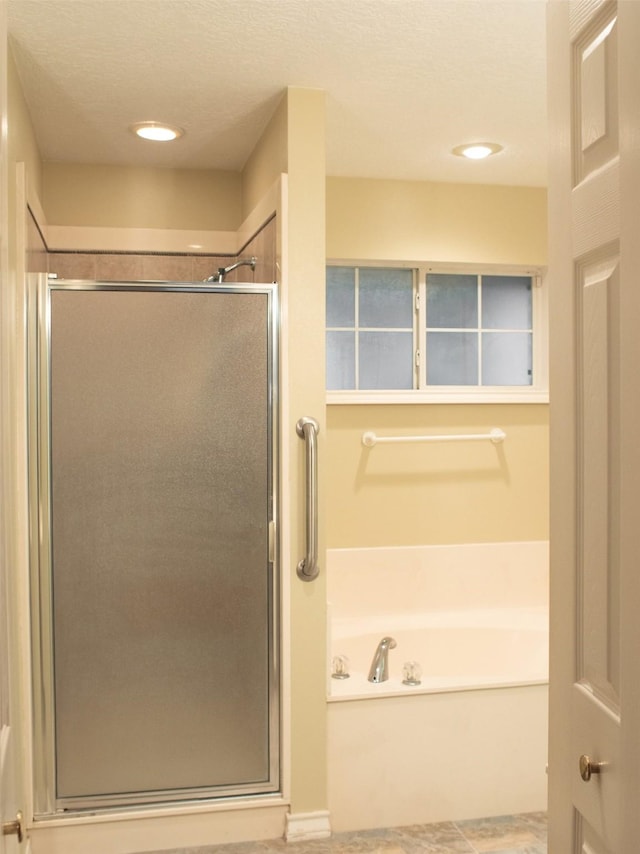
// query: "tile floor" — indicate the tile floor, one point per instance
point(509, 834)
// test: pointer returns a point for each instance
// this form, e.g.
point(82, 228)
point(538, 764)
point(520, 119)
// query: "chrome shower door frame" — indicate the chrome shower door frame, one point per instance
point(47, 803)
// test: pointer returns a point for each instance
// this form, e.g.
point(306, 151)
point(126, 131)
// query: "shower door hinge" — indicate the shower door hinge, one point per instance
point(417, 360)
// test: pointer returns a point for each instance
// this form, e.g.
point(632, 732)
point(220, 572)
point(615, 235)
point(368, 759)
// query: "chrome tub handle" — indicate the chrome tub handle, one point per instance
point(308, 428)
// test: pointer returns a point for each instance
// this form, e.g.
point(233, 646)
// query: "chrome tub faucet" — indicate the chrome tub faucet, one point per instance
point(379, 670)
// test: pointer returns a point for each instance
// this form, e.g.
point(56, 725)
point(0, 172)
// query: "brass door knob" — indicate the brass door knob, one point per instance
point(588, 767)
point(14, 827)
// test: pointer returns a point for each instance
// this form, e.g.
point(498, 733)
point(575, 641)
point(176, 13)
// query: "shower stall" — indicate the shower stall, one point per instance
point(154, 504)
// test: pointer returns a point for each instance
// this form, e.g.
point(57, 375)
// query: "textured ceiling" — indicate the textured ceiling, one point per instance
point(406, 80)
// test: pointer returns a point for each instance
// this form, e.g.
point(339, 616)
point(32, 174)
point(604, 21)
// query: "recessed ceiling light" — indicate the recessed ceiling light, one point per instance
point(477, 150)
point(156, 131)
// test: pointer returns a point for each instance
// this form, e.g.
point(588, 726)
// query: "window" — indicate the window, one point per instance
point(418, 333)
point(370, 335)
point(479, 330)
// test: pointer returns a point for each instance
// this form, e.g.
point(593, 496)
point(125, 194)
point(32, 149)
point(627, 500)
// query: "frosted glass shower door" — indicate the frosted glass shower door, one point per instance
point(159, 504)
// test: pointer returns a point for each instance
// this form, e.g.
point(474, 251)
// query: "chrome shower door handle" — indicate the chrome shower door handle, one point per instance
point(308, 428)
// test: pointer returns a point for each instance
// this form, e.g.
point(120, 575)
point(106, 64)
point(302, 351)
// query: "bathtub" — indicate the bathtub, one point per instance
point(456, 651)
point(471, 739)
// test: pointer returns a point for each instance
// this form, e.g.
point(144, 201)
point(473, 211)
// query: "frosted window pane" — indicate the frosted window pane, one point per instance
point(386, 298)
point(506, 302)
point(386, 360)
point(506, 358)
point(341, 360)
point(452, 358)
point(341, 296)
point(452, 301)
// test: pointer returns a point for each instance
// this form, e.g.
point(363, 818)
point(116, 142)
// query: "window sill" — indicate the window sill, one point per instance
point(443, 395)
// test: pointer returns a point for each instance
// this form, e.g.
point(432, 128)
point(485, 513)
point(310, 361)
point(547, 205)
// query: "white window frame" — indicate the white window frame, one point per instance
point(538, 392)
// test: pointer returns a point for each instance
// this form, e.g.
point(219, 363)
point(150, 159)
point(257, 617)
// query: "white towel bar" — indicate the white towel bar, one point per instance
point(369, 439)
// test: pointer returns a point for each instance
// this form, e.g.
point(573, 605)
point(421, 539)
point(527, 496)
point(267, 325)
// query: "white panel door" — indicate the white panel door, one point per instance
point(595, 418)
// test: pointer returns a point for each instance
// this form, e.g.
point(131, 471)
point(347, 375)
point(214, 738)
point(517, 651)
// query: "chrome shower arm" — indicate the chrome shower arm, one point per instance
point(222, 271)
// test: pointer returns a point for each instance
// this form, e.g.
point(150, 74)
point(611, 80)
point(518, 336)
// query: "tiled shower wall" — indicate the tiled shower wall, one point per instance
point(143, 266)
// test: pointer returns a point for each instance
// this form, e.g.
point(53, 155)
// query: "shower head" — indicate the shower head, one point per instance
point(222, 271)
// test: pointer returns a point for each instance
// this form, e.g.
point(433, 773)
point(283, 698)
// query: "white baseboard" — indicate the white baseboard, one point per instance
point(307, 825)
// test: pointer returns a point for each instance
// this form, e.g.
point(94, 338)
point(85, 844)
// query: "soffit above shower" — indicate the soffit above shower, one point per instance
point(406, 81)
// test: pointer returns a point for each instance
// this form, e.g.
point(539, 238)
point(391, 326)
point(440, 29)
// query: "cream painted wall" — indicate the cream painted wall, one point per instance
point(298, 125)
point(400, 495)
point(428, 494)
point(22, 140)
point(305, 341)
point(18, 147)
point(139, 197)
point(423, 221)
point(268, 160)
